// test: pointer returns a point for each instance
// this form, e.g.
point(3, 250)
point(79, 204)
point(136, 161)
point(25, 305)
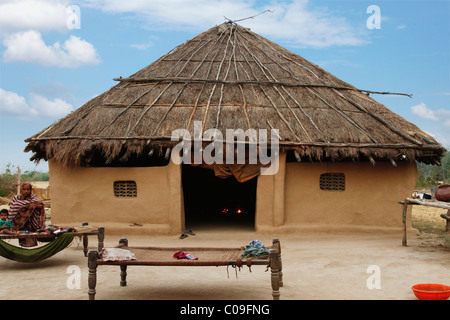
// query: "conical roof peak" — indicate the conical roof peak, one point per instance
point(229, 77)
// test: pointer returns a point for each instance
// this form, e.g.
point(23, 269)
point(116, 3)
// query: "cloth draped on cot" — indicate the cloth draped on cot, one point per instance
point(255, 249)
point(37, 254)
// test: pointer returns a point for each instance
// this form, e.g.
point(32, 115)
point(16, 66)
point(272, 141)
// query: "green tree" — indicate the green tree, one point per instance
point(8, 179)
point(429, 176)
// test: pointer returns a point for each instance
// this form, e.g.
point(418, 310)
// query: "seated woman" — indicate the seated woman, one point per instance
point(26, 213)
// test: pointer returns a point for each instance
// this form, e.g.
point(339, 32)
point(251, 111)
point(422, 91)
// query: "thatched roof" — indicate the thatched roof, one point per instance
point(231, 78)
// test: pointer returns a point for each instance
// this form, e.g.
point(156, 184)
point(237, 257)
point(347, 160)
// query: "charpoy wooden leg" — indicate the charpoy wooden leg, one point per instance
point(123, 275)
point(85, 244)
point(123, 268)
point(92, 277)
point(101, 238)
point(85, 240)
point(405, 206)
point(274, 263)
point(277, 246)
point(447, 226)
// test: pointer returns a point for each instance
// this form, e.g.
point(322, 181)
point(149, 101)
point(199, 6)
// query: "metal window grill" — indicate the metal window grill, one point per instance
point(332, 181)
point(125, 189)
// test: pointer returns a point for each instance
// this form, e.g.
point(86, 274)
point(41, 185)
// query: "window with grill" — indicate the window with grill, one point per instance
point(125, 189)
point(332, 182)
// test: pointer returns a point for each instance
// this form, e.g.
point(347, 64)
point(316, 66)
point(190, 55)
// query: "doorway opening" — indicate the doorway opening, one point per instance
point(210, 201)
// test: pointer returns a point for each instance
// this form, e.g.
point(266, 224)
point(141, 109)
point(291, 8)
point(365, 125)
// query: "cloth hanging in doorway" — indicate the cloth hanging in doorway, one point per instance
point(242, 172)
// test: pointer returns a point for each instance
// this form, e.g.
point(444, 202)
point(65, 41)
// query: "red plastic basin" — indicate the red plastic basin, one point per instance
point(431, 291)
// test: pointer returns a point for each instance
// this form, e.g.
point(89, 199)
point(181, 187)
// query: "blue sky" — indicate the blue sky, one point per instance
point(55, 55)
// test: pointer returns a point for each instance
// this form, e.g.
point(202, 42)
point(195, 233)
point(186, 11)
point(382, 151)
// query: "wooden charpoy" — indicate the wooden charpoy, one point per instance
point(207, 256)
point(428, 203)
point(84, 232)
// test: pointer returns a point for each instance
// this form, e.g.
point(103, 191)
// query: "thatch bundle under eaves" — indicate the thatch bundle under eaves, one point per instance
point(231, 78)
point(343, 161)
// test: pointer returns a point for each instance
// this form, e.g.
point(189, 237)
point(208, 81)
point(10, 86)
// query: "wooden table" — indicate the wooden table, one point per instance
point(207, 256)
point(427, 203)
point(83, 232)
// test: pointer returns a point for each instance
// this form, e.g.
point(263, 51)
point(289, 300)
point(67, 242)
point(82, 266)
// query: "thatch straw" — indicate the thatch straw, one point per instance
point(231, 78)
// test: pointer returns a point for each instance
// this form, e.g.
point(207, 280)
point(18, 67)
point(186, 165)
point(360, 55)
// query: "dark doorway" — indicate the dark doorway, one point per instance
point(217, 202)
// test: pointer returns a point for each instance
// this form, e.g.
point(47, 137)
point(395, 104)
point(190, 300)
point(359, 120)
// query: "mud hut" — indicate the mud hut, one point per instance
point(343, 160)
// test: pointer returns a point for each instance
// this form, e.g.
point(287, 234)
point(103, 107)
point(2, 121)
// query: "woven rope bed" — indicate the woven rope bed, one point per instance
point(53, 246)
point(207, 256)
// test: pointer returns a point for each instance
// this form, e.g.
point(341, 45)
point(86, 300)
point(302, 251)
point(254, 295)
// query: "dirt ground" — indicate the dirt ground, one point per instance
point(315, 266)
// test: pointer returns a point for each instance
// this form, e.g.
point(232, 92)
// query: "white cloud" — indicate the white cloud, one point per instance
point(48, 108)
point(292, 21)
point(142, 46)
point(42, 15)
point(15, 105)
point(28, 46)
point(22, 23)
point(146, 44)
point(444, 140)
point(177, 13)
point(440, 115)
point(422, 111)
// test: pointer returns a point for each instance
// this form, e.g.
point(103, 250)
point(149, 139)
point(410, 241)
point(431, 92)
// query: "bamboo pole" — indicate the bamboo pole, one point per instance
point(430, 203)
point(18, 180)
point(283, 143)
point(405, 206)
point(250, 82)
